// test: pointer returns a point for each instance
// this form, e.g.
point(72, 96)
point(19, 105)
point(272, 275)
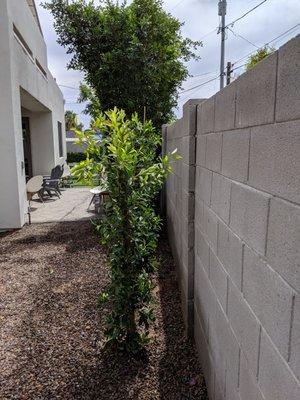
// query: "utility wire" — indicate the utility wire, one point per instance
point(244, 15)
point(69, 87)
point(268, 43)
point(201, 84)
point(177, 4)
point(242, 58)
point(209, 33)
point(242, 37)
point(199, 75)
point(239, 66)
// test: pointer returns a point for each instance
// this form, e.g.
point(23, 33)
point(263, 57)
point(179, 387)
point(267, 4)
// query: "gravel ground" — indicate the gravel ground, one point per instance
point(51, 337)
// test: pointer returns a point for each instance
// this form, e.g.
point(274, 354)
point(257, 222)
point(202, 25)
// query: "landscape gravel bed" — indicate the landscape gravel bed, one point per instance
point(51, 328)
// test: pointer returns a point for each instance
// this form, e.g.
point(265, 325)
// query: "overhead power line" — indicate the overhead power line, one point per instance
point(201, 84)
point(244, 15)
point(69, 87)
point(209, 33)
point(288, 31)
point(199, 75)
point(177, 4)
point(271, 41)
point(242, 37)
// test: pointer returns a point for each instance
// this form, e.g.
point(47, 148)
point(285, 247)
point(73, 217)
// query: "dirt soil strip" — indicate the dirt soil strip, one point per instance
point(51, 335)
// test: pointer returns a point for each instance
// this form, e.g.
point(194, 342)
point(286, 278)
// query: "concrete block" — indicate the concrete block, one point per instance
point(206, 116)
point(294, 360)
point(288, 82)
point(202, 249)
point(203, 353)
point(205, 299)
point(203, 184)
point(183, 268)
point(219, 389)
point(188, 177)
point(249, 389)
point(230, 253)
point(214, 151)
point(225, 108)
point(255, 102)
point(201, 339)
point(190, 116)
point(187, 255)
point(177, 129)
point(220, 196)
point(224, 346)
point(201, 150)
point(235, 154)
point(245, 325)
point(231, 390)
point(249, 214)
point(275, 159)
point(283, 250)
point(188, 150)
point(188, 205)
point(275, 379)
point(211, 227)
point(218, 278)
point(199, 218)
point(270, 298)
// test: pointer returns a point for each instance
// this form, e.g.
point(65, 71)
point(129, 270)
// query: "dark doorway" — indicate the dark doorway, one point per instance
point(27, 147)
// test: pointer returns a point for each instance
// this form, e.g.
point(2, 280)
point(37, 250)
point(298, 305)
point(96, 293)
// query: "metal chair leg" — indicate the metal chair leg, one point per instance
point(91, 202)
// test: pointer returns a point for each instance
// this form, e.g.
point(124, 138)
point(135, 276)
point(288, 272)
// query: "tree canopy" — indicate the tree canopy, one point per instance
point(131, 55)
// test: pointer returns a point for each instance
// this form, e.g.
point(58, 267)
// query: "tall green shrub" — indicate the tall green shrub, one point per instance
point(127, 155)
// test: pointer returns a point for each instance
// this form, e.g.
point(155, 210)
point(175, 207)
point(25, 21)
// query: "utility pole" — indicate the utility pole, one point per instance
point(222, 13)
point(228, 72)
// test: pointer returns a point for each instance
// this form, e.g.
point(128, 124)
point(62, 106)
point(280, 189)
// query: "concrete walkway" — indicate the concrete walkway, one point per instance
point(72, 206)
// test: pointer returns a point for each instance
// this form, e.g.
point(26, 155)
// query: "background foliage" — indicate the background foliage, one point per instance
point(258, 56)
point(132, 55)
point(75, 157)
point(72, 121)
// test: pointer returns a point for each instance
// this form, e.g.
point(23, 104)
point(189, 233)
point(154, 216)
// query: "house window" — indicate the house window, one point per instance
point(60, 140)
point(41, 68)
point(22, 41)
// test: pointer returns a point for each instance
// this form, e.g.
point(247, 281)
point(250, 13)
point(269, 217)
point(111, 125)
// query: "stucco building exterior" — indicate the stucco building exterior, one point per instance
point(32, 126)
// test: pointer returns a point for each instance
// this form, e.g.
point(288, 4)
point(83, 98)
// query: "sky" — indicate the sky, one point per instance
point(200, 18)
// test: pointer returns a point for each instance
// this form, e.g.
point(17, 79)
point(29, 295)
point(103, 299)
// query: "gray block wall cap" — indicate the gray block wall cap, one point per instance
point(188, 104)
point(192, 102)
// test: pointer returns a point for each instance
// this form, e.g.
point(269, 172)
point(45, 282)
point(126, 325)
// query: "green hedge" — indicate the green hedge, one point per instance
point(75, 157)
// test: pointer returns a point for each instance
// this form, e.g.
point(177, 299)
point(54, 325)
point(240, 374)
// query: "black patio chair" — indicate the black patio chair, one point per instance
point(51, 183)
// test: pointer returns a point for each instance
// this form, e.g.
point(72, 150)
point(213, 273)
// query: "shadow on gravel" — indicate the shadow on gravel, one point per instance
point(58, 343)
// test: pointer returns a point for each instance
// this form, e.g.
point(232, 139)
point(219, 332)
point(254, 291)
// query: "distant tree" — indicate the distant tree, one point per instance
point(258, 56)
point(132, 55)
point(71, 120)
point(87, 95)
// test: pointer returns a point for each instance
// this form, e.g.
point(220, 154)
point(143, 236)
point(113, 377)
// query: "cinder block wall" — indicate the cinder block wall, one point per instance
point(179, 198)
point(233, 212)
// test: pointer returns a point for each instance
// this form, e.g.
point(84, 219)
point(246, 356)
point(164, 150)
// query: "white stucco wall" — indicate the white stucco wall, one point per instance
point(19, 71)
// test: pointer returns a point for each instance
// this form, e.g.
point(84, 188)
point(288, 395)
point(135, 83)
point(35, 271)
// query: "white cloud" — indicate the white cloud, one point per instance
point(200, 17)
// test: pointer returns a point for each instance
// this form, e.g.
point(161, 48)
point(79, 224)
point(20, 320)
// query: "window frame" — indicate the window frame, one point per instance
point(60, 139)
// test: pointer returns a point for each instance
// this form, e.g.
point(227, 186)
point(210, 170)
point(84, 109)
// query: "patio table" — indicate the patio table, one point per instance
point(98, 192)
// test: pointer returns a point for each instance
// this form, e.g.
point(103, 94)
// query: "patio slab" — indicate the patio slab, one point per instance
point(72, 206)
